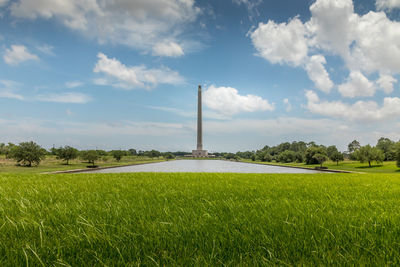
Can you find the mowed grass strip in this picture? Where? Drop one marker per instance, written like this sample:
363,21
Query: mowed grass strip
199,219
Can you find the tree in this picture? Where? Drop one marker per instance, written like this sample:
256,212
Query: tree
330,150
169,156
311,151
90,156
398,154
2,148
320,158
287,156
337,156
118,154
27,153
369,154
353,146
388,147
67,153
132,152
152,154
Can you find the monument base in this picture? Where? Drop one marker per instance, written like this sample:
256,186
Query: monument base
200,153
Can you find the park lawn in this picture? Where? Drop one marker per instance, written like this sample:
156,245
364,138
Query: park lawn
158,219
353,166
51,164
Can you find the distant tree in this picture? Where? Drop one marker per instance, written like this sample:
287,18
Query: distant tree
330,150
2,148
53,151
27,153
369,154
229,156
132,152
311,152
169,156
101,152
8,148
398,154
299,157
153,154
253,157
353,146
90,156
388,147
266,157
336,157
67,153
287,156
320,158
118,154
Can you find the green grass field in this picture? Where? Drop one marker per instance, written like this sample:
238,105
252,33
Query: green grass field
199,219
352,166
51,164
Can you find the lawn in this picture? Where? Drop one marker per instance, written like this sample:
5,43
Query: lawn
51,164
353,166
199,219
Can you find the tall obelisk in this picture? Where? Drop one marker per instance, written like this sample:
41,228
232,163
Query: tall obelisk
199,152
199,121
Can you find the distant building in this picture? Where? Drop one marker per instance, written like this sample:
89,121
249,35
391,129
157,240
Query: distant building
199,152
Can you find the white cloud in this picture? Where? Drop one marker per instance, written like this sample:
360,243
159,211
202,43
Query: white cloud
331,25
74,98
227,100
281,43
18,54
361,111
318,74
140,24
122,76
168,49
386,82
8,90
287,104
46,49
3,2
387,4
73,84
335,29
357,85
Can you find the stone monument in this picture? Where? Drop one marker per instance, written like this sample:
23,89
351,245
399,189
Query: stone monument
199,152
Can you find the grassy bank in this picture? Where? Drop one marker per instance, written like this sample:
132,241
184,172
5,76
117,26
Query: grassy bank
354,166
51,164
199,219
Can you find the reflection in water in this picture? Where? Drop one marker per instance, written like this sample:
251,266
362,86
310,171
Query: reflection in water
205,166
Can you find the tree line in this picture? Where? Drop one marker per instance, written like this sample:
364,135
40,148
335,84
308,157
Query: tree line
30,153
312,153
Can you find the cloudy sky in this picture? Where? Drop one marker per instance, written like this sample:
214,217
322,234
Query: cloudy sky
124,73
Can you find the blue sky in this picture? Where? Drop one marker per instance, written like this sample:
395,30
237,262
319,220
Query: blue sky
124,74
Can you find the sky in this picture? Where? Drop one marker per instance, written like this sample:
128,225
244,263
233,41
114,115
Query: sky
123,74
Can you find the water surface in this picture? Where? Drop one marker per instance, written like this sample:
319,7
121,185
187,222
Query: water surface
205,166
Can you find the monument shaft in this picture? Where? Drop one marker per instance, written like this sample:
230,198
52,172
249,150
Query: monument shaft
199,121
199,152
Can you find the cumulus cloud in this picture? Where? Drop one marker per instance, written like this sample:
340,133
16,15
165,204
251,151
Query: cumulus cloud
386,82
387,4
140,24
335,29
70,97
18,54
357,85
122,76
227,100
361,111
318,74
281,43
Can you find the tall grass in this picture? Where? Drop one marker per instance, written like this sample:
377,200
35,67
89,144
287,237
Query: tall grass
199,219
